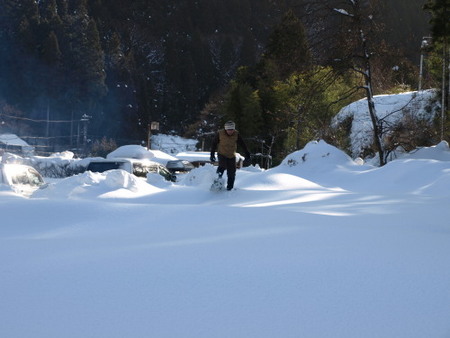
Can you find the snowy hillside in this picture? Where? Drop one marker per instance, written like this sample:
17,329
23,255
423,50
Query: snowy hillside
390,109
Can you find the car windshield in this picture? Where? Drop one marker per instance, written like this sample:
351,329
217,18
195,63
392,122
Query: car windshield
141,170
100,167
20,178
35,178
21,175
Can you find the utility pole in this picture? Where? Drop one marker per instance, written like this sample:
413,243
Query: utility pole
71,129
85,120
426,40
47,129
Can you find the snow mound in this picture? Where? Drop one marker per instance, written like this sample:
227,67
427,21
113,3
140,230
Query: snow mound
278,181
440,186
202,176
327,166
317,156
158,180
110,184
402,176
439,152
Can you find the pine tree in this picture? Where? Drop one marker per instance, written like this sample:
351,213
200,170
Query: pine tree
49,12
62,6
287,46
440,18
94,61
243,106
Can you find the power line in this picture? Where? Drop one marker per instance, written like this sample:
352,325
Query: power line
33,120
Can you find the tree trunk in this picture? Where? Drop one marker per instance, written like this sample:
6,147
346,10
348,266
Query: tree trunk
377,130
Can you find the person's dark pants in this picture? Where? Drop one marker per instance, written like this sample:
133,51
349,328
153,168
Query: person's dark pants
228,164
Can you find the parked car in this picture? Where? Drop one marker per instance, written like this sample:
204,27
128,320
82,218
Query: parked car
179,166
139,168
21,178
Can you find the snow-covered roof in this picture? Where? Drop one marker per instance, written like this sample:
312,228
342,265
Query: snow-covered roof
131,151
12,139
162,157
140,152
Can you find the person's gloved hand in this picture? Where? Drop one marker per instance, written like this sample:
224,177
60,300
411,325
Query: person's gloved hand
212,158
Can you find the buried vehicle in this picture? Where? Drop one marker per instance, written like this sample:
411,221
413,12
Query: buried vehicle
179,166
139,168
21,178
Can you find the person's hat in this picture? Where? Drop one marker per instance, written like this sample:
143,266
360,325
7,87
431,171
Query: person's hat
230,125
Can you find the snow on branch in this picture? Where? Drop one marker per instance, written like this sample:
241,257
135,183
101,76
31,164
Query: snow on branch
343,12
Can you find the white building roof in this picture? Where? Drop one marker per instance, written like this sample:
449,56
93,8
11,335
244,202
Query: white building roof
13,140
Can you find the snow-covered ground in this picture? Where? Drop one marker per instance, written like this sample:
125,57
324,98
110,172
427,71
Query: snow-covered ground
320,246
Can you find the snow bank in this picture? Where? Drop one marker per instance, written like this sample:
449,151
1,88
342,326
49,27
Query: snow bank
201,177
89,185
316,156
316,166
440,152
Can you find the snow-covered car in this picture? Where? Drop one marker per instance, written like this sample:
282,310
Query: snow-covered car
179,166
136,167
21,178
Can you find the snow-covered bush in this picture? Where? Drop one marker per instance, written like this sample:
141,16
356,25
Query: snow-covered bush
58,165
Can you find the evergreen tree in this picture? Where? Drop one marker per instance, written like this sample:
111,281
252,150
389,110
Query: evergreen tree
242,105
440,18
62,6
49,12
287,46
158,60
94,62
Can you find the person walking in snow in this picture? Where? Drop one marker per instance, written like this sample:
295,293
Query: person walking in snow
225,142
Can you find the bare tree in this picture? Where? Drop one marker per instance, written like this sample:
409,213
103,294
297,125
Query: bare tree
348,42
360,24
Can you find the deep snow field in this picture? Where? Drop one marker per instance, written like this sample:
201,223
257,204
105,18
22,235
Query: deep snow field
320,246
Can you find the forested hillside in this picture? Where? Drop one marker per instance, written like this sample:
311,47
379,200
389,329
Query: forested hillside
114,66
